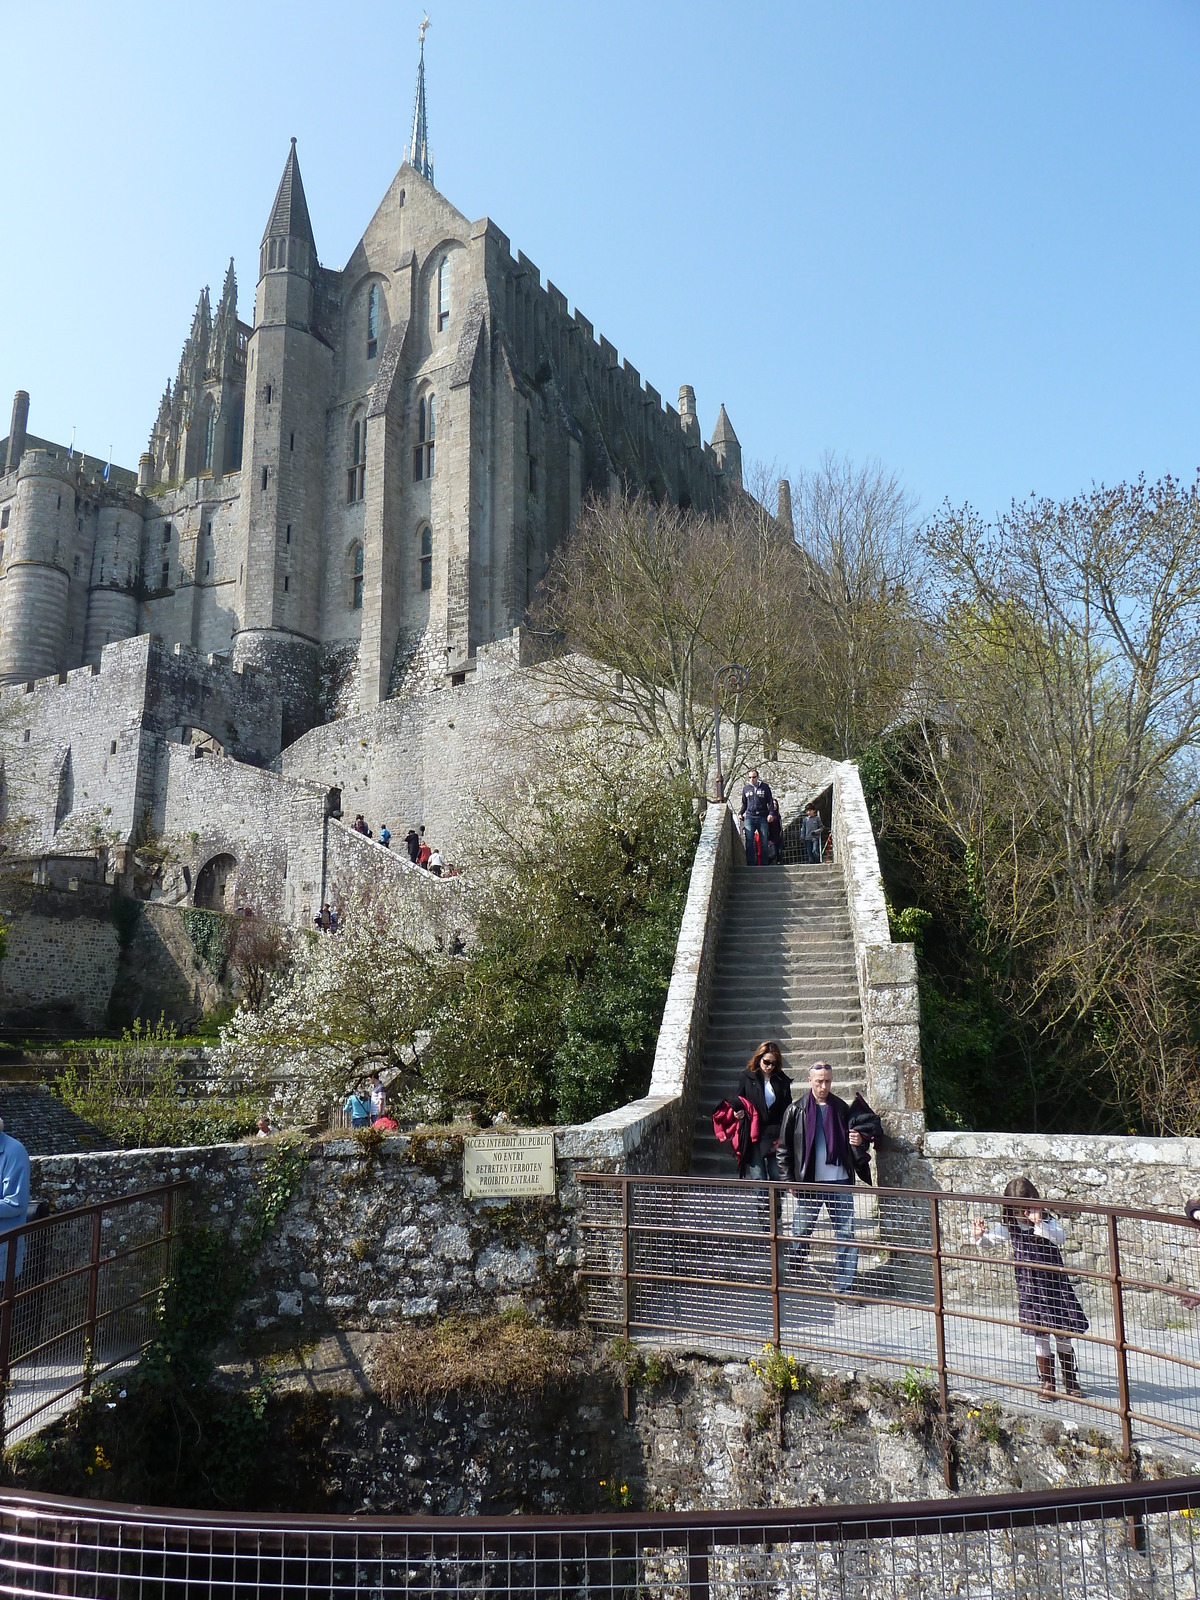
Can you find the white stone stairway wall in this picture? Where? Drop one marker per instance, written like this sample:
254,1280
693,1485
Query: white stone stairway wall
785,970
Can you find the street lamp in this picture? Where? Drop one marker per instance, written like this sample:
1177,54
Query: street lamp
740,679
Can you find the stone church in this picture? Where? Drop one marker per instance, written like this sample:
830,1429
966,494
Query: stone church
360,489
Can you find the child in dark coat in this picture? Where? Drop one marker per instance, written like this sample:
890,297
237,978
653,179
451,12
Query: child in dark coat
1046,1302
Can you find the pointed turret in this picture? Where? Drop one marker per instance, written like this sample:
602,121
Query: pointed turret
726,447
419,154
289,215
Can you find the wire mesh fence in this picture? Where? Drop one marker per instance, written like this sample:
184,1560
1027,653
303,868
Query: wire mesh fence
1072,1544
1096,1309
78,1298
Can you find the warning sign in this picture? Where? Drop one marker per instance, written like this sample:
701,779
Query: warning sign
508,1164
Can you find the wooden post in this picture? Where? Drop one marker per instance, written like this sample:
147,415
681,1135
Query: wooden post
1118,1304
939,1324
93,1306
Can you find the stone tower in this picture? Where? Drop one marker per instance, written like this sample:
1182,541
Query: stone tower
276,594
727,449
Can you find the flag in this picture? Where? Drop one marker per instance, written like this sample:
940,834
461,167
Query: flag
108,464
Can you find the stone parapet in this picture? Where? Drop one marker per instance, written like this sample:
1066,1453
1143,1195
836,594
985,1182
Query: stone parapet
887,972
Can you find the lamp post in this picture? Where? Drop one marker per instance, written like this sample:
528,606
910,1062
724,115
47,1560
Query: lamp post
740,679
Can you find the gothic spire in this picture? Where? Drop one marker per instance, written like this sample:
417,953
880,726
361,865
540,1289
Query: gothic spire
419,155
289,214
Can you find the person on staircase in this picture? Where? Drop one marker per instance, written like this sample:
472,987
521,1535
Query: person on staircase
774,833
811,830
1046,1302
818,1145
765,1086
756,802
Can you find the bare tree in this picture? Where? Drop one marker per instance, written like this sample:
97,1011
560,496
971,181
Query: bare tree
1058,744
857,527
257,949
652,600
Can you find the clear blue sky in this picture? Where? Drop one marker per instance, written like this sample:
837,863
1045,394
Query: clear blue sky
964,238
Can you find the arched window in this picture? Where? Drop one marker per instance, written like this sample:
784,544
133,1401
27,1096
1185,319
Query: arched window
356,578
426,430
443,293
210,435
356,470
427,557
372,321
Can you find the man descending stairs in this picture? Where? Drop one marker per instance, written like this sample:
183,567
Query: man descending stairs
785,970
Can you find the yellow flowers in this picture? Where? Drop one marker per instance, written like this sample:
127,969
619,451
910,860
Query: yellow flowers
776,1370
100,1462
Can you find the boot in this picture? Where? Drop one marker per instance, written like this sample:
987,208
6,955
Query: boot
1045,1366
1070,1373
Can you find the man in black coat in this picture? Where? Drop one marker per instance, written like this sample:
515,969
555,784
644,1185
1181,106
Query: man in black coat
818,1145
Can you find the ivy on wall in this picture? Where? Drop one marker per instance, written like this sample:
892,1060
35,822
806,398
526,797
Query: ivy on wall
209,933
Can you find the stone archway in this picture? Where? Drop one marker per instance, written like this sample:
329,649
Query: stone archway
216,884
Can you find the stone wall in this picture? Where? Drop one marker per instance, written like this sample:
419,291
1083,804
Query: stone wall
887,972
1102,1169
274,828
705,1435
62,960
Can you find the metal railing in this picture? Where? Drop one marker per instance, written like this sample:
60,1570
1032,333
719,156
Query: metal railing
892,1279
1116,1541
79,1294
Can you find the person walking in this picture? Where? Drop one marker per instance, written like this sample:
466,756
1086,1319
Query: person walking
385,836
818,1145
412,843
756,800
14,1195
377,1097
767,1089
811,830
774,832
1046,1301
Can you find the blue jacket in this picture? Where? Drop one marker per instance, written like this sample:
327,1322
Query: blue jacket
14,1195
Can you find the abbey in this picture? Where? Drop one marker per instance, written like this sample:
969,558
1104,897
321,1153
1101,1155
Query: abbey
360,489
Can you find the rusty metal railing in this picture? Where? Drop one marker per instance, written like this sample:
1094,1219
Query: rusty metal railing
78,1295
1056,1545
889,1280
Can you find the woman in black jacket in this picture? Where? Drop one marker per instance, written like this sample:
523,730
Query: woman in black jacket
766,1086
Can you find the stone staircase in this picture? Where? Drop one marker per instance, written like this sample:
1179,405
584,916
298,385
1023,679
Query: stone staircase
785,970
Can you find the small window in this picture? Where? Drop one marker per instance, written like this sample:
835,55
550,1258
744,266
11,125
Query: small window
167,534
26,735
443,294
241,572
207,568
356,473
287,582
166,575
4,517
264,478
427,558
112,749
76,560
356,573
287,538
268,394
291,441
426,429
372,321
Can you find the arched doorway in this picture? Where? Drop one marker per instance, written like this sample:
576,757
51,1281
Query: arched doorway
216,884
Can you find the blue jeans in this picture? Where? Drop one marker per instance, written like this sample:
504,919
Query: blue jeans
764,1164
838,1200
756,825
